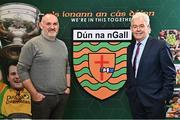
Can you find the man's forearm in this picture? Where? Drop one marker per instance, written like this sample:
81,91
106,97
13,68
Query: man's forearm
68,78
30,87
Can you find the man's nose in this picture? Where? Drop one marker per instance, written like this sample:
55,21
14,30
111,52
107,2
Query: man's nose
52,26
138,28
17,76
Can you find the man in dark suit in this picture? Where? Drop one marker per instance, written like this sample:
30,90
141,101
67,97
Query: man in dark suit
150,70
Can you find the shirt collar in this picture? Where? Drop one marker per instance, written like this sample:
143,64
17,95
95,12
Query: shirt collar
143,42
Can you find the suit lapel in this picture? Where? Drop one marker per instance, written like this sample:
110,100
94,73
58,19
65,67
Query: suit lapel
130,54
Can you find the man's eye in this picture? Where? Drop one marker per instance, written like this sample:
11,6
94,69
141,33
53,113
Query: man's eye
141,25
134,26
48,24
55,24
13,73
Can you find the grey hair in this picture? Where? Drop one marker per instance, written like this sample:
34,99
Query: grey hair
143,16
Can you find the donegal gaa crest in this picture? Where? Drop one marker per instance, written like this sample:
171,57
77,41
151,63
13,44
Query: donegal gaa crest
100,60
100,67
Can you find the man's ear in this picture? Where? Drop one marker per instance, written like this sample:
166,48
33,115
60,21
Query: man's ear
40,25
149,29
130,28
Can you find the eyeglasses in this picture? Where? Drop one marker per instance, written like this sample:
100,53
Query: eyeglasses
138,26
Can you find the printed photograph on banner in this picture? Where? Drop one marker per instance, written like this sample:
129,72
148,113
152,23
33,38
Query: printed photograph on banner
177,73
172,36
18,24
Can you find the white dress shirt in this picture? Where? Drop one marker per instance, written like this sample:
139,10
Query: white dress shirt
143,43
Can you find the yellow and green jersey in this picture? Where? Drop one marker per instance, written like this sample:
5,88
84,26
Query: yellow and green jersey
14,101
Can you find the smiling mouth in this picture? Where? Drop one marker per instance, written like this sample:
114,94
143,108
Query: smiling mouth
17,81
138,33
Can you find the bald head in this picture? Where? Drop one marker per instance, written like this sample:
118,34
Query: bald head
50,26
48,16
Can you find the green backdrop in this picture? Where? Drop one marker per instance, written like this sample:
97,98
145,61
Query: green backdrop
81,104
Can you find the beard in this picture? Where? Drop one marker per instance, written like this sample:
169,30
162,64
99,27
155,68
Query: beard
50,33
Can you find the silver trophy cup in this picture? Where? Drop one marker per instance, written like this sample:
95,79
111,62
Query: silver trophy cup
18,23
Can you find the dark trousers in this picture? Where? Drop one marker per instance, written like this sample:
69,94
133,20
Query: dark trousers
51,107
156,111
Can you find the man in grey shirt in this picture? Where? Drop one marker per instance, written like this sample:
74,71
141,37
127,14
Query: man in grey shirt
44,69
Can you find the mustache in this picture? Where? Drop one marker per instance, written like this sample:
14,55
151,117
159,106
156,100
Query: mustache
52,30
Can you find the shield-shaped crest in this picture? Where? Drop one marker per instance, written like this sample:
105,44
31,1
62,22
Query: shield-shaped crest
101,65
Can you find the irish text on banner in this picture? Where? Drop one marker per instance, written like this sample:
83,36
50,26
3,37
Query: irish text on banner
114,34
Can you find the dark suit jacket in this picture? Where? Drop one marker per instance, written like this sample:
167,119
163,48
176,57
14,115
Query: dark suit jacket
156,73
